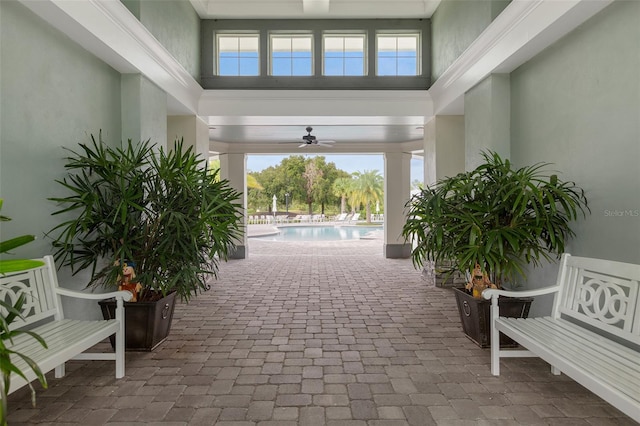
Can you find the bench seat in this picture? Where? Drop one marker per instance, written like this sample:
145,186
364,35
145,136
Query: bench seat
66,338
592,334
597,363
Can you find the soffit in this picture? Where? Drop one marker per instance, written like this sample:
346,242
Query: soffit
314,9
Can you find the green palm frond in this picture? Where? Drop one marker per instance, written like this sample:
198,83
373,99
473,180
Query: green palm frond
496,215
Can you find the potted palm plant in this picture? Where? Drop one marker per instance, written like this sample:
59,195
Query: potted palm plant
152,221
489,224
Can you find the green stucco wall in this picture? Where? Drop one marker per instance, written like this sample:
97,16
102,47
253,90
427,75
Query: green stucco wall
577,105
54,94
455,25
176,25
487,119
144,110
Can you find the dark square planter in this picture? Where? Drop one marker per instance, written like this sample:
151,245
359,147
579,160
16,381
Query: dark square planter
146,324
475,315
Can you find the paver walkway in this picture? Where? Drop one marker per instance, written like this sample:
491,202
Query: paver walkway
316,334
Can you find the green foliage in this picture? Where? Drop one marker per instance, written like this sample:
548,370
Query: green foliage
417,184
9,314
15,265
288,178
7,367
342,188
253,183
312,175
367,188
496,216
163,210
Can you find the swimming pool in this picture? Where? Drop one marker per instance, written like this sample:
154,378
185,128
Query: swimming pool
322,233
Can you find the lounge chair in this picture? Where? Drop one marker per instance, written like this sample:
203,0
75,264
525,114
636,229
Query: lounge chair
340,218
355,217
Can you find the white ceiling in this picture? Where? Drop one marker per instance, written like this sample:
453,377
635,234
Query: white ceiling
314,9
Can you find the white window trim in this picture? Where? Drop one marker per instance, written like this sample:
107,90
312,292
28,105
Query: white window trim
233,34
365,51
418,35
291,35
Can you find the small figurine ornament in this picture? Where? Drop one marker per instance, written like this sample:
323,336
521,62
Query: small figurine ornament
479,281
126,280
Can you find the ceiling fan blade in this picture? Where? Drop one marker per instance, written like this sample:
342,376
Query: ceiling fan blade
327,141
303,145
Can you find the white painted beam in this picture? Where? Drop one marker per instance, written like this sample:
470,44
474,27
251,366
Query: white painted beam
338,148
316,103
315,7
300,9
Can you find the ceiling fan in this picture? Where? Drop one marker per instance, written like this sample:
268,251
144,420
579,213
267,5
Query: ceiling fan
309,139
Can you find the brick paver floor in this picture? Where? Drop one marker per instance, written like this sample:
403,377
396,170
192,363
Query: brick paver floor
315,334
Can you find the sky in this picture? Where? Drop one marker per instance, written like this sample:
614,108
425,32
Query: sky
348,162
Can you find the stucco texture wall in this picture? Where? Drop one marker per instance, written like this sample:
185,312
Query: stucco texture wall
455,25
176,25
54,94
577,105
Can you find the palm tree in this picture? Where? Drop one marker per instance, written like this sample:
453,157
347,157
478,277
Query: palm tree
342,188
367,189
253,183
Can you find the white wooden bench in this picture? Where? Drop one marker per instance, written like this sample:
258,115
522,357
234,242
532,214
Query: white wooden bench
65,338
592,334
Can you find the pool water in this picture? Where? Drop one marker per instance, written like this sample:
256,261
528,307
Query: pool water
322,233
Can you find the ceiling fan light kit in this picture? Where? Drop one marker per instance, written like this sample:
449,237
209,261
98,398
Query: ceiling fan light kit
310,139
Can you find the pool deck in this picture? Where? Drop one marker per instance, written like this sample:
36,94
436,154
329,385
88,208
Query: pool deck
311,334
261,230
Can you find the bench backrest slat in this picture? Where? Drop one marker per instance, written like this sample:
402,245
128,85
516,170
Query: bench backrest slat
603,294
40,302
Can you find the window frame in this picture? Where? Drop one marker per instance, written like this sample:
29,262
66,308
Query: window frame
417,34
292,35
317,27
218,35
346,34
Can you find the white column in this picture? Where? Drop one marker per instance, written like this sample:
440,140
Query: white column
397,191
444,147
234,168
190,128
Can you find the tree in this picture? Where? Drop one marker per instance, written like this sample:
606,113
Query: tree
291,170
342,188
368,188
323,192
312,175
253,183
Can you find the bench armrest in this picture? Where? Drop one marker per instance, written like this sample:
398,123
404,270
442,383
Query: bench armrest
124,295
492,293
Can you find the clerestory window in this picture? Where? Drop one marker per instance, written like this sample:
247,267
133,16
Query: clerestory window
291,54
316,54
238,54
344,55
398,54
